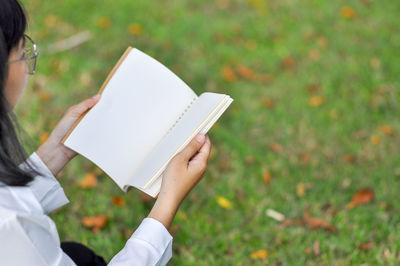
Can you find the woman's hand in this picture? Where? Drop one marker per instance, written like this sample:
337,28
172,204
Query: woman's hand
183,172
52,152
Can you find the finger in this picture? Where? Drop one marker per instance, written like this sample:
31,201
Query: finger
203,155
79,109
192,147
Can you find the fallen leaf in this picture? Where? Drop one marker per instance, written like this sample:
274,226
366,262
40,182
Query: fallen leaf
347,12
268,103
365,246
266,78
50,20
135,29
316,101
322,41
314,54
275,215
375,63
259,254
118,201
88,181
249,159
267,177
362,197
246,72
305,157
375,140
96,222
300,189
316,248
104,23
288,62
228,74
385,129
224,203
314,223
313,88
276,147
349,158
43,137
44,96
145,198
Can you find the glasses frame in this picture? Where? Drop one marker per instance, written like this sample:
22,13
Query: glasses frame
32,57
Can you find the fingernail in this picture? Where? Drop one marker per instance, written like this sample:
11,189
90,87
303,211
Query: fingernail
200,138
96,97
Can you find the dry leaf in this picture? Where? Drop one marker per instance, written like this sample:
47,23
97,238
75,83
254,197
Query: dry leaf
349,158
145,198
96,222
316,101
322,42
385,129
375,63
135,29
313,88
44,96
246,72
224,203
314,55
268,103
88,181
267,177
104,23
288,63
259,254
365,246
249,159
305,157
118,201
316,248
314,223
50,20
362,197
276,147
275,215
228,74
347,12
300,189
375,140
43,137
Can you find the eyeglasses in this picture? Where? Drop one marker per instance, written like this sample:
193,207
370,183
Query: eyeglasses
30,55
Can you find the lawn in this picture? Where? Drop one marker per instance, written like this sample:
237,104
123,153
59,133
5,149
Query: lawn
315,120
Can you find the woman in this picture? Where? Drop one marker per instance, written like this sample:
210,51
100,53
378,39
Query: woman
30,191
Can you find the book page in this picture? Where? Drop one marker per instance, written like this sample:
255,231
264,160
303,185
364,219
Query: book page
138,106
200,117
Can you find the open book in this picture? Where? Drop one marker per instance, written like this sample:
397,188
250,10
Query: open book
145,116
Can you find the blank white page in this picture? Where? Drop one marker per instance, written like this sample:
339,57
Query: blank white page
141,101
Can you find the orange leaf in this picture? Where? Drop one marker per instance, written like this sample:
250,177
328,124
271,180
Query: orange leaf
375,140
314,223
44,96
267,177
349,158
96,222
288,62
276,147
268,103
104,23
347,12
316,101
118,201
228,74
135,29
314,54
88,181
259,254
365,246
246,72
362,197
43,137
305,157
385,129
300,189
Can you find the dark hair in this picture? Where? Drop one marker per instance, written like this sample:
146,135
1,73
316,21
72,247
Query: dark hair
12,28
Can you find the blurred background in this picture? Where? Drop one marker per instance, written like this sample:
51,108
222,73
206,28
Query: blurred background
305,167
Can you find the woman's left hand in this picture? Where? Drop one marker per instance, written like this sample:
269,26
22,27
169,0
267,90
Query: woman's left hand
52,152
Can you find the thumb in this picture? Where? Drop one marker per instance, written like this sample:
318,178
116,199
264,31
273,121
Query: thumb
193,147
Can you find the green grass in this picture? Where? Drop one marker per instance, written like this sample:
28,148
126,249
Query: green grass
197,39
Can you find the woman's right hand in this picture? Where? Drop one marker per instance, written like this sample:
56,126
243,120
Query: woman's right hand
183,172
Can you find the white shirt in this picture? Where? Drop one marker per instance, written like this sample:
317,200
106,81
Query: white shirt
29,237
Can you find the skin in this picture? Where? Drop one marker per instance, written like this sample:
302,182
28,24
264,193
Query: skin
184,171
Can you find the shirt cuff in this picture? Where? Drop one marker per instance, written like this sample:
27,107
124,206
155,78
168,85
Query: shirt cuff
45,186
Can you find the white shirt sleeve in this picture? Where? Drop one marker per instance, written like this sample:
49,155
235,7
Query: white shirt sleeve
29,237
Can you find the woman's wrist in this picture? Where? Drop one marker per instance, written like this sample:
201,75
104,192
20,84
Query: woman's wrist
164,211
52,157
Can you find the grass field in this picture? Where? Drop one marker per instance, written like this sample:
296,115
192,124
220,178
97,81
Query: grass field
315,120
